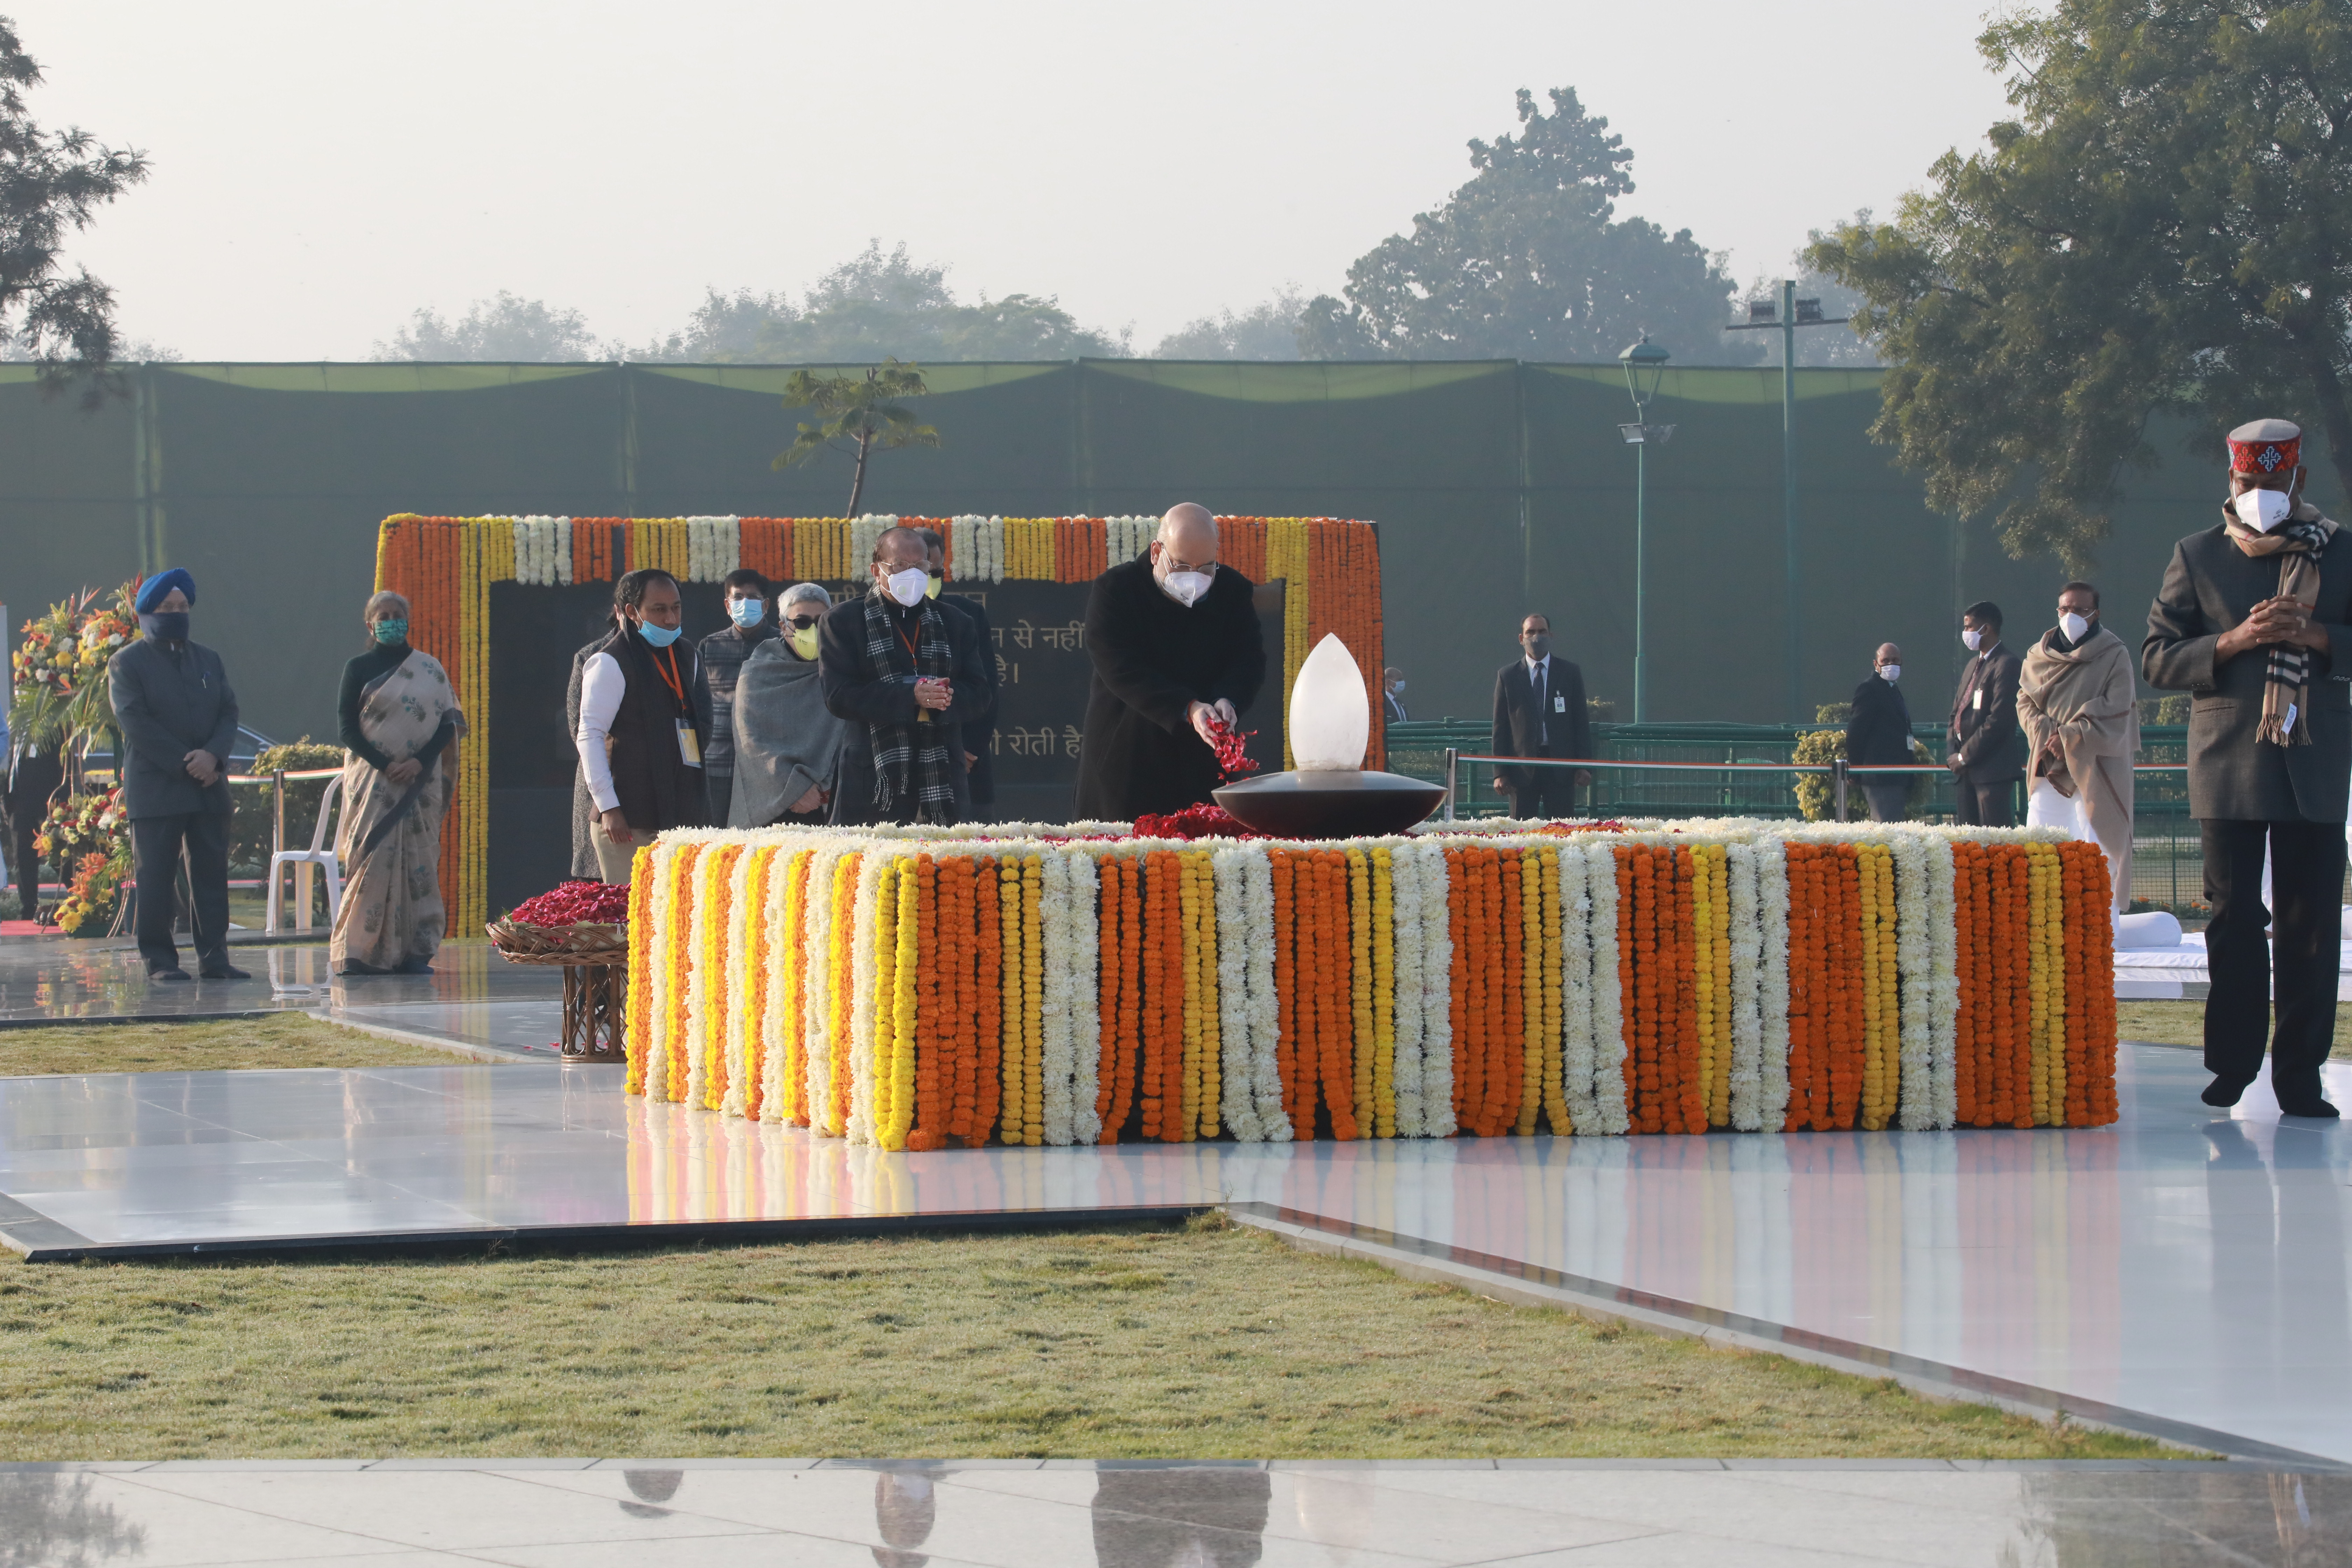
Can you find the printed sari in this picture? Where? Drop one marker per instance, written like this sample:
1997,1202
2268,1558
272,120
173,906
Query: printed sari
389,841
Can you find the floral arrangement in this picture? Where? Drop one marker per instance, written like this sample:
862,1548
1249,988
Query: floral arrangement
1204,821
91,833
913,989
446,566
88,907
574,903
59,667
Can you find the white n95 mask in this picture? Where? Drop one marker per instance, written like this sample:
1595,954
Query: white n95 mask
2073,625
907,586
2262,510
1890,672
1185,587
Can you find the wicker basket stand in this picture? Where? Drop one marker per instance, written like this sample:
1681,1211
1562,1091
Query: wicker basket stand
596,963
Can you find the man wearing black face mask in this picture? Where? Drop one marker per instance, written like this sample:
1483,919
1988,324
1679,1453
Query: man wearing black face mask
1986,748
178,720
1539,712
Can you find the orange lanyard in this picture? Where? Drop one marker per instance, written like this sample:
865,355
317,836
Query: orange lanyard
669,677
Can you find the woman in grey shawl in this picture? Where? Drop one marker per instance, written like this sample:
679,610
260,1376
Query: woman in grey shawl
2076,700
787,745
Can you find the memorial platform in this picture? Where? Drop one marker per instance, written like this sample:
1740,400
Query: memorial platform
2178,1273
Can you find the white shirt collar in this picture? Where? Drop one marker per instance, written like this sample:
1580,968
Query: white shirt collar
1535,664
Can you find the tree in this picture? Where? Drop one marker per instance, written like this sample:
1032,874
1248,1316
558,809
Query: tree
1263,332
505,328
2166,226
875,305
1527,261
723,327
51,185
863,412
1819,346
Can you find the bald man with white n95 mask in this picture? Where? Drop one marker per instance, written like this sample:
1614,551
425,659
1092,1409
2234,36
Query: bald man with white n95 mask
1177,651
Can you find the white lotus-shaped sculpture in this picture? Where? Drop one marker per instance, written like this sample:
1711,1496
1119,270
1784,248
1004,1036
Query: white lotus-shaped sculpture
1331,713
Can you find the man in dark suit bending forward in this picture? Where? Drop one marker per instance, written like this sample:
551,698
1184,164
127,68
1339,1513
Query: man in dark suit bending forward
1539,712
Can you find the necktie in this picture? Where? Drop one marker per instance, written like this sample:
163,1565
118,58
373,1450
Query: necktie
1543,722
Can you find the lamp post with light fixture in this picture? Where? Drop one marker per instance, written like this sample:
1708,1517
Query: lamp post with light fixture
1645,367
1785,316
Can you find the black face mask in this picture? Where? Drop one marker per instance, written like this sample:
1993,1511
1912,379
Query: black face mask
165,625
1536,647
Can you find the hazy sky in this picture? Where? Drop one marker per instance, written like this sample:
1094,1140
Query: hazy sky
322,168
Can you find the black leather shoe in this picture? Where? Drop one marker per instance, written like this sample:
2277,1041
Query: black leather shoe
415,966
356,967
2222,1093
167,976
226,972
2314,1107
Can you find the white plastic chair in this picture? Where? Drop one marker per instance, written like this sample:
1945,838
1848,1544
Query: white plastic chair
322,854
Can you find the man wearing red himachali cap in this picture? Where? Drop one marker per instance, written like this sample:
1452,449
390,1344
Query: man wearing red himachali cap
2255,620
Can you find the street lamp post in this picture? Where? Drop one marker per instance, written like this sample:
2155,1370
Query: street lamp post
1785,316
1645,366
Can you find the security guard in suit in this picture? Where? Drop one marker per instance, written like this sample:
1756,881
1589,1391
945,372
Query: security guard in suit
1986,748
1539,712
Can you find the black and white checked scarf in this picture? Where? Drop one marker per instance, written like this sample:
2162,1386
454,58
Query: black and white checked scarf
911,764
2297,543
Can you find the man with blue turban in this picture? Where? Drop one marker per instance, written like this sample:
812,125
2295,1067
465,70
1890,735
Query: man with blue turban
178,720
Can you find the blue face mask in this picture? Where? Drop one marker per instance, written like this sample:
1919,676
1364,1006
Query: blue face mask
391,632
747,613
660,637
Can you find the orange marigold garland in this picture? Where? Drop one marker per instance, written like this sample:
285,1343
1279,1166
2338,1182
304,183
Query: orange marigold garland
934,1036
988,988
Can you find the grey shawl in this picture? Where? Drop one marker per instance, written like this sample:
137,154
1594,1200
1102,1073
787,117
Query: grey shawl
786,742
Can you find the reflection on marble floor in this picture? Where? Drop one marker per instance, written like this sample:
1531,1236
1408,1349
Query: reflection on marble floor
2181,1264
1532,1515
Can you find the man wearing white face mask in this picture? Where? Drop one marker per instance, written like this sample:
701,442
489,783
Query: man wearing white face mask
2076,700
723,652
2255,620
906,672
1176,647
1986,750
1878,733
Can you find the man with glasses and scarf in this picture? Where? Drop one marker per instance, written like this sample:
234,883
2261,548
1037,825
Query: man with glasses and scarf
905,671
2255,620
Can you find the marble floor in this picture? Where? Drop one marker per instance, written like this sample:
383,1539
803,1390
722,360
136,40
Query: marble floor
1527,1514
2180,1273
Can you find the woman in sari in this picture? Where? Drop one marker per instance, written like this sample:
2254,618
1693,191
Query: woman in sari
397,716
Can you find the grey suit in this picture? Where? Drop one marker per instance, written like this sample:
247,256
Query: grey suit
2252,797
169,702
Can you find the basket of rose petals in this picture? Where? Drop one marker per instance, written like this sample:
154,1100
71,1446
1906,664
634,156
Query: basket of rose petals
576,922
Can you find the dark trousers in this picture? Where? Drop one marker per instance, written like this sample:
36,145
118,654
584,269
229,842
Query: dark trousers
1547,793
721,790
1984,803
37,779
2297,966
1888,802
156,843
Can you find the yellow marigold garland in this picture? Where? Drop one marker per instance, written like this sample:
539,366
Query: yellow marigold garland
886,992
1188,916
890,1129
1362,1036
1032,1002
1013,1054
638,1038
1712,1040
2054,935
1533,983
1554,1093
679,960
838,992
793,960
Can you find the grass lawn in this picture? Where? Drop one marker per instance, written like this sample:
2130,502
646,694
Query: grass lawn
2183,1024
285,1041
1207,1341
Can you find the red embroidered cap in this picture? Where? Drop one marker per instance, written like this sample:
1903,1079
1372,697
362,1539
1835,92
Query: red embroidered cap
2265,447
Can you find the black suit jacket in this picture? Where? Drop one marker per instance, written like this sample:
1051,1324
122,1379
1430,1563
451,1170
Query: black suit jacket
979,731
855,691
1518,731
1153,658
167,705
1880,731
2208,587
1986,745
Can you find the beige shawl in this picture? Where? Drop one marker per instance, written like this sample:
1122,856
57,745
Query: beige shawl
2083,699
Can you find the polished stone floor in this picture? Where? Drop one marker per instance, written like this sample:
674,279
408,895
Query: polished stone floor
2183,1273
1530,1514
473,997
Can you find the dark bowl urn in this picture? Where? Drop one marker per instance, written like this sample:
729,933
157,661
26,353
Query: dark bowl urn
1331,805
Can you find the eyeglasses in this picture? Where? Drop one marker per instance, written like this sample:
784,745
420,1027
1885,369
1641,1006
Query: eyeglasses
803,623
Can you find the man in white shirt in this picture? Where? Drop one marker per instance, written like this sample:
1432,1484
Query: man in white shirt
643,723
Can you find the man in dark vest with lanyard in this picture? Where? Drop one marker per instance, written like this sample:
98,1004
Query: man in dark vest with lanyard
905,671
642,731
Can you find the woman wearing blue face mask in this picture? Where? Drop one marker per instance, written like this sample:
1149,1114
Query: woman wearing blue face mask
645,721
724,651
396,717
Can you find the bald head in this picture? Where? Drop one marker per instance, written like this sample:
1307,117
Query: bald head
1888,657
1187,540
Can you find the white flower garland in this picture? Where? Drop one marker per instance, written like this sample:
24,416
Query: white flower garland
859,1046
1236,1072
1264,1020
1915,974
1085,1016
1944,986
738,968
1058,944
1405,876
778,1030
1577,956
1608,996
1436,996
1747,986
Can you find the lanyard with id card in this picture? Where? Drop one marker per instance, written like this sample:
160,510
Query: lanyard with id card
689,744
